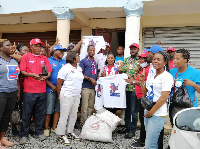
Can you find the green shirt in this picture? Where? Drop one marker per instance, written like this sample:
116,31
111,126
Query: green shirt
131,66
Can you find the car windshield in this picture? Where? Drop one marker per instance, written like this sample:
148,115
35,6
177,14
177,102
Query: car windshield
189,120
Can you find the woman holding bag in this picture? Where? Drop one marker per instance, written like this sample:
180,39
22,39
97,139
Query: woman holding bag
157,89
183,73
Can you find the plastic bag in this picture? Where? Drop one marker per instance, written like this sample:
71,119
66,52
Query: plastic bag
181,98
96,129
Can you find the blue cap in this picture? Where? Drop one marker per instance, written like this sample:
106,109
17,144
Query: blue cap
59,47
155,49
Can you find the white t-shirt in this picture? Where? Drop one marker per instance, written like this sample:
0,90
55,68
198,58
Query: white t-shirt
73,79
162,82
98,41
152,72
100,60
113,93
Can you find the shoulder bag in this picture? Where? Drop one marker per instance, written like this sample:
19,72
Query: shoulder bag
181,98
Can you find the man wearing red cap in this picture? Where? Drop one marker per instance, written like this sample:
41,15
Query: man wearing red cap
31,67
131,67
171,52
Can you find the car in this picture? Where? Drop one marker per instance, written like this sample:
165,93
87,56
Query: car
186,130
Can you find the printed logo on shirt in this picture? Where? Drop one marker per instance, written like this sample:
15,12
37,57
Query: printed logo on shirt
114,90
31,61
42,62
150,94
72,71
63,65
13,72
54,64
99,91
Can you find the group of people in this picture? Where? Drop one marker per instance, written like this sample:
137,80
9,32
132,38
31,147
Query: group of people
69,82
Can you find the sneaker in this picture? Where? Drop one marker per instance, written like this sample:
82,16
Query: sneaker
137,145
23,140
73,136
46,133
41,137
129,135
53,130
64,140
123,130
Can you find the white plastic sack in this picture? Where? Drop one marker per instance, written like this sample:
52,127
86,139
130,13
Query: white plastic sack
97,130
111,119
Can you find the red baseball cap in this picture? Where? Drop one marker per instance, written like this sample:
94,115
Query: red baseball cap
144,53
134,45
36,41
171,49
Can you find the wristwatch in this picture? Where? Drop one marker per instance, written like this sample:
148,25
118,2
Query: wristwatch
88,78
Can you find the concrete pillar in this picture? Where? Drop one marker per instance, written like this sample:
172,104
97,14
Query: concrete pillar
86,31
64,15
133,10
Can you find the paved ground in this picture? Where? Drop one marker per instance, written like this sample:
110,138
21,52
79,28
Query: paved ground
51,142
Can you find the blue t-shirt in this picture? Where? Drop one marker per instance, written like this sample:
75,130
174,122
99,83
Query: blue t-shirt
86,66
56,66
119,58
9,72
191,74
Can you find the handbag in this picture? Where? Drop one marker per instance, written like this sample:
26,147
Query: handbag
15,116
147,103
181,97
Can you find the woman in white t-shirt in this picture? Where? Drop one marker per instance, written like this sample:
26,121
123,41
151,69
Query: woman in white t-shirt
110,67
157,89
69,84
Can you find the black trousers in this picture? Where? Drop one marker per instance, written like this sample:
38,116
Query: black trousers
33,103
141,117
7,105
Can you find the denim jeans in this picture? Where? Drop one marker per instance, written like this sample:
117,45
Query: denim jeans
153,126
52,104
131,111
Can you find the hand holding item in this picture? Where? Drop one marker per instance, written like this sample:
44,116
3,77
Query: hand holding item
188,82
148,114
119,69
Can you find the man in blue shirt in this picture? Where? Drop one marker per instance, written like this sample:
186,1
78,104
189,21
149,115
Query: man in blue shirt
53,105
120,56
89,67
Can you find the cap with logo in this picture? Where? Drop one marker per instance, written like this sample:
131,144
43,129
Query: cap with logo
134,45
59,47
36,41
144,53
171,49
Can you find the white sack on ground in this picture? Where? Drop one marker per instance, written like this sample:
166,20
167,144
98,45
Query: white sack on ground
97,130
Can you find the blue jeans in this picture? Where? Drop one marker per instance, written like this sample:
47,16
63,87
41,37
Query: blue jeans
153,126
131,111
52,103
